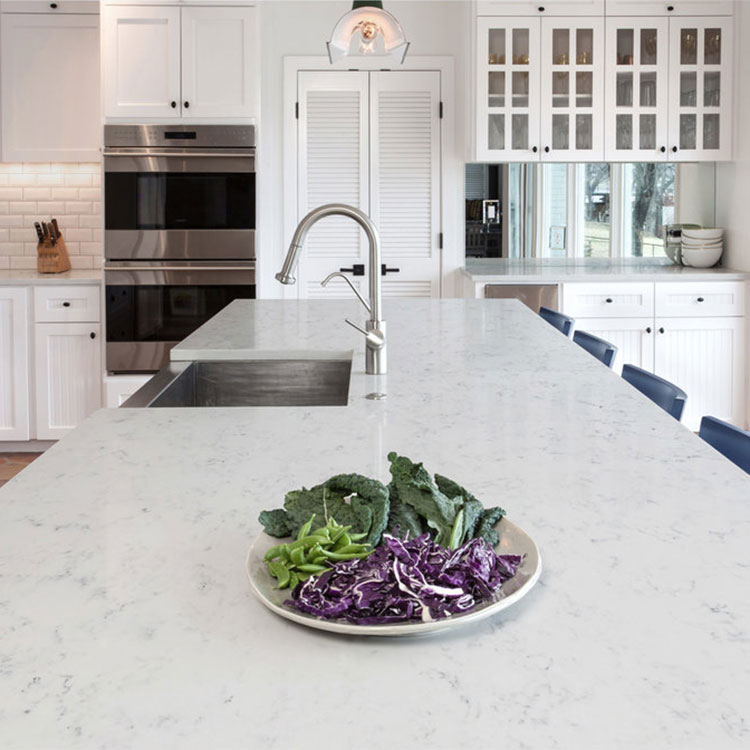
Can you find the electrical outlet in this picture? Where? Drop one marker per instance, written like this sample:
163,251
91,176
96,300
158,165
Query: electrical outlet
557,238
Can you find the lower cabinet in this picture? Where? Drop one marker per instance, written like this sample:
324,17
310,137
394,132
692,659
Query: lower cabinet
50,359
15,417
119,388
68,376
633,337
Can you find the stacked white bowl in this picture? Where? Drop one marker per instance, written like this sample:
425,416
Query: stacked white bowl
702,248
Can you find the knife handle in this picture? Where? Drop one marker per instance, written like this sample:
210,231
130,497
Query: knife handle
56,228
39,234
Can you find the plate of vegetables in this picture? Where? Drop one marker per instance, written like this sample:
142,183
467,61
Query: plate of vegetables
419,555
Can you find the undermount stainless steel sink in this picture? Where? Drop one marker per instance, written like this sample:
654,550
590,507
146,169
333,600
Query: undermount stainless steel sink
257,382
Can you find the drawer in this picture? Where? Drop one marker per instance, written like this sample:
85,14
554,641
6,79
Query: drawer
691,299
608,300
66,304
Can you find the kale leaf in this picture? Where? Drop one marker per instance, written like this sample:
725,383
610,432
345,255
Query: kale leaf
416,488
472,507
403,521
486,529
276,522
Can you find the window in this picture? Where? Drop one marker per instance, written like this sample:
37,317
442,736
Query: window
648,194
596,206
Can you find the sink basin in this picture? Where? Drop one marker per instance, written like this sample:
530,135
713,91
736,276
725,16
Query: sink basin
257,382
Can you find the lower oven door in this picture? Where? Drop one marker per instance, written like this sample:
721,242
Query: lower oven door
152,307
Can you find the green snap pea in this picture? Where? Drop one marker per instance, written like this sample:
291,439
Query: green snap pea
280,572
310,568
305,528
293,580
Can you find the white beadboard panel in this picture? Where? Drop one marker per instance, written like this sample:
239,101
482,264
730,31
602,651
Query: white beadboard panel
704,357
604,300
333,148
67,304
68,376
633,337
405,174
700,299
14,365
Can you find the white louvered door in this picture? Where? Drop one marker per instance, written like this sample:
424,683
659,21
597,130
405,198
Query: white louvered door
405,179
371,140
332,167
14,364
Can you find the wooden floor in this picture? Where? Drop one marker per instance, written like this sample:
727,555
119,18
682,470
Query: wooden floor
12,463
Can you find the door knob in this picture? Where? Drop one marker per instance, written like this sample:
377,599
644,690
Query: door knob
674,149
93,335
648,330
663,149
358,269
384,270
661,330
546,149
173,105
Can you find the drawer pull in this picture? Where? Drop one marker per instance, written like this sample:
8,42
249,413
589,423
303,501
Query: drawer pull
700,299
648,330
608,300
93,335
661,330
66,304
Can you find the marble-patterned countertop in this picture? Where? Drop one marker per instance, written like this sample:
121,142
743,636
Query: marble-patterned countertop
127,621
557,270
33,278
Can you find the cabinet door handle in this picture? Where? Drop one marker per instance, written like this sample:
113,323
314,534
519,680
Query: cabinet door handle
53,6
93,335
384,270
608,300
674,149
358,269
700,299
546,149
670,8
661,330
648,330
66,304
535,149
173,104
663,149
541,9
186,105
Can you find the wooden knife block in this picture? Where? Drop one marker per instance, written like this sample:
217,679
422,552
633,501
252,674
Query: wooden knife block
52,259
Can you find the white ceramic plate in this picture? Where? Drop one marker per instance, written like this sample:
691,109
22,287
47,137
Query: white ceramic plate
513,541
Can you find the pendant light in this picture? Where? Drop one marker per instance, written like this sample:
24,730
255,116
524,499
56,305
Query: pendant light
367,29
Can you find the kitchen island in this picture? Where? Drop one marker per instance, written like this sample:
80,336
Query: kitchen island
127,621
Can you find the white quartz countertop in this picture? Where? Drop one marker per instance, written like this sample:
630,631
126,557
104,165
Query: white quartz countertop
554,270
127,621
32,278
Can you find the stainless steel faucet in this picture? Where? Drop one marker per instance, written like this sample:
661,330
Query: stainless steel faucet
374,330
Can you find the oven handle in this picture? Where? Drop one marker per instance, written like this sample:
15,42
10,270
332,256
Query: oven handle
181,154
246,267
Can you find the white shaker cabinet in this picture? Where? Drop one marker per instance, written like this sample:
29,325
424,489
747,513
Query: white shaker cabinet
49,56
14,364
666,8
180,62
548,8
218,73
633,337
68,376
141,66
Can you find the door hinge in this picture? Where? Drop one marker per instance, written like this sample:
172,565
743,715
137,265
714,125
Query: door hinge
296,110
441,110
440,240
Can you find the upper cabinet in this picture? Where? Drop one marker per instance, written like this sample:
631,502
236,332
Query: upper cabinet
654,87
676,8
548,8
173,62
49,56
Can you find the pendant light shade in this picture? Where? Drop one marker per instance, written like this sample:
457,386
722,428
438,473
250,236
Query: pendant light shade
367,29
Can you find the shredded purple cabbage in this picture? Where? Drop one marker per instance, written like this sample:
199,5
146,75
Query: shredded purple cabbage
406,580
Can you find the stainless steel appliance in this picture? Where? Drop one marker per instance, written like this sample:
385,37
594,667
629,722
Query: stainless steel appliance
179,239
532,295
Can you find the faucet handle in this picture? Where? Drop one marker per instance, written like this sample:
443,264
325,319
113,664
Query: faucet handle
352,287
375,338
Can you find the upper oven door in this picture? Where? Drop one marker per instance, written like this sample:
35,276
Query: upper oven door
179,206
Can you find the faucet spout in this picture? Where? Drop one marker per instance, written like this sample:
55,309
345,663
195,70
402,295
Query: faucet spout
375,338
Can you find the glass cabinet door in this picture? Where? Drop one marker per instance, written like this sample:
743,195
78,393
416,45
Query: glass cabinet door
508,67
637,78
700,106
572,89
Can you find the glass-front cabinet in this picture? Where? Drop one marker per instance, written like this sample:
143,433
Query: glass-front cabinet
700,101
508,67
572,94
637,92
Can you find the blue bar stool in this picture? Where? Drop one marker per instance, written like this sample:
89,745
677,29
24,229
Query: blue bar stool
730,441
663,393
563,323
599,348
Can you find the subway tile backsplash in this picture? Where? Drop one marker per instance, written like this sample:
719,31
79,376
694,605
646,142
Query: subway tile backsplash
72,193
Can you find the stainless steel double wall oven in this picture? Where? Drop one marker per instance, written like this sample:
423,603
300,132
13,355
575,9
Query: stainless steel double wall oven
179,239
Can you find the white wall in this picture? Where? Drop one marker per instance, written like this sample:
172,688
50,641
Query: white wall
302,27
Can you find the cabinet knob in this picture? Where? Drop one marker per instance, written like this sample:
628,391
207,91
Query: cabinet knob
534,149
66,304
661,330
663,149
186,105
53,6
541,9
648,330
173,105
93,335
670,8
546,149
608,300
700,299
674,149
